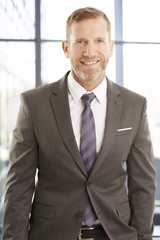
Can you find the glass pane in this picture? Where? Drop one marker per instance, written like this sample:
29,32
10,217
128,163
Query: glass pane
17,19
17,74
142,74
54,15
55,64
141,20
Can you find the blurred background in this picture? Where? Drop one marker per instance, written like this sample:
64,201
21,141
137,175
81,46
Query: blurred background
31,32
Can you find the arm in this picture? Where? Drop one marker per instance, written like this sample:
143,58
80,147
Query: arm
21,177
141,180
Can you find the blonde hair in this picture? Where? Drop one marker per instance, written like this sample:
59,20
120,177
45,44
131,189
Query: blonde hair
85,13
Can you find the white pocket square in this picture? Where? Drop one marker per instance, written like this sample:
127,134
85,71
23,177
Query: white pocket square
124,129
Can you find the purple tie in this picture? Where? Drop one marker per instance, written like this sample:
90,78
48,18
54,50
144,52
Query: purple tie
88,148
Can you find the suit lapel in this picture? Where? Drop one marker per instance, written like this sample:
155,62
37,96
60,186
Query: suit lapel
114,106
61,111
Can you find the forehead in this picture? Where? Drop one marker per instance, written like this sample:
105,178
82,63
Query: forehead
89,27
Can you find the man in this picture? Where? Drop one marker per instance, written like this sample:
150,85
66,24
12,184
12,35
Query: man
79,132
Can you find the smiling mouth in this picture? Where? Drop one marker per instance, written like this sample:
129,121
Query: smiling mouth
90,63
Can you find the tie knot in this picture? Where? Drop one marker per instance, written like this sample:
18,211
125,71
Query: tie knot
88,98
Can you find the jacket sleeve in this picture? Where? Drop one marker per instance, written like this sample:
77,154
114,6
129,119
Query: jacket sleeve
21,177
141,180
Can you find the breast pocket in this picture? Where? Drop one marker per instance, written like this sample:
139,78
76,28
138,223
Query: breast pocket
125,131
122,144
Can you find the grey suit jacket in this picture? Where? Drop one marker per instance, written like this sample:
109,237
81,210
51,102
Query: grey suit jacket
43,139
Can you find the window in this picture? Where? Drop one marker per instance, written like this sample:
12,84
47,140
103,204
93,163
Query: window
141,20
141,57
141,72
17,71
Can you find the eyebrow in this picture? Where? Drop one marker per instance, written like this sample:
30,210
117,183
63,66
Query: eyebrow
79,39
85,39
101,38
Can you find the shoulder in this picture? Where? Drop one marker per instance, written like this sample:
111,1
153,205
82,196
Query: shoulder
124,93
47,90
132,102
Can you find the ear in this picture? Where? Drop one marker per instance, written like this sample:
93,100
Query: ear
65,48
111,48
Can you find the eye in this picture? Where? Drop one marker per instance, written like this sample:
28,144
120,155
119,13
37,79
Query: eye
100,40
80,41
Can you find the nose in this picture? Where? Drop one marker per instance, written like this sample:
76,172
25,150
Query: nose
89,50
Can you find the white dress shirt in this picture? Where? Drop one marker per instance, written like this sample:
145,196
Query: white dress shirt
98,106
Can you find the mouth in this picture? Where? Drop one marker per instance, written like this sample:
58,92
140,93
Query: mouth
89,63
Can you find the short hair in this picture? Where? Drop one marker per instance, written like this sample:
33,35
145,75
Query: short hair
86,13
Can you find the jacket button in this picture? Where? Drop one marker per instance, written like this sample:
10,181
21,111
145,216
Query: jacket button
78,215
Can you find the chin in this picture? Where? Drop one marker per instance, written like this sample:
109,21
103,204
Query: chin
93,76
89,76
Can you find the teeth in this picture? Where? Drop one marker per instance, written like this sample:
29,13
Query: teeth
89,63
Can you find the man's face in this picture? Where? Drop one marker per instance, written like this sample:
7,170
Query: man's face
89,49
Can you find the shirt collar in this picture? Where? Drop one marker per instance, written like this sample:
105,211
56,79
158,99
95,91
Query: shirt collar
76,90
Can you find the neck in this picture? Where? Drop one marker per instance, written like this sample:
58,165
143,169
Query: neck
90,86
